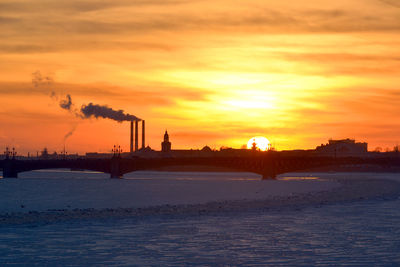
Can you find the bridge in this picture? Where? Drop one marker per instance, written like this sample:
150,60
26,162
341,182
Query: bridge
267,165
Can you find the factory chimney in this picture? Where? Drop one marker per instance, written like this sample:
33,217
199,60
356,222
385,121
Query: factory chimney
136,136
131,137
143,135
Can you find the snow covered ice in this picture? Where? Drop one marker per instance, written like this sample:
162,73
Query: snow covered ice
156,218
142,189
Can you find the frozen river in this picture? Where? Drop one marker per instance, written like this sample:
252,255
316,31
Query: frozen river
356,232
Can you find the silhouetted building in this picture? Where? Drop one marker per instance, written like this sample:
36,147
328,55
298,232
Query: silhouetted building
44,153
166,144
206,149
343,148
254,145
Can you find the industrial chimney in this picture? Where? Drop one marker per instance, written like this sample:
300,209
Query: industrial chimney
136,136
131,137
143,135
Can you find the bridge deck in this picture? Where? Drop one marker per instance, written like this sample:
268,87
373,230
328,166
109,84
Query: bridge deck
267,166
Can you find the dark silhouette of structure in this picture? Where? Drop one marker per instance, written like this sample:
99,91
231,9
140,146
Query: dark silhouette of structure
136,135
143,135
266,164
134,131
254,145
343,148
131,138
166,144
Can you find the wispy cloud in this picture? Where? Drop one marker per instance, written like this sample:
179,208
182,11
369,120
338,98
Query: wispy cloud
394,3
78,6
27,17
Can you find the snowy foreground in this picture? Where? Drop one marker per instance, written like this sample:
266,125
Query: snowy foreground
143,190
63,218
59,195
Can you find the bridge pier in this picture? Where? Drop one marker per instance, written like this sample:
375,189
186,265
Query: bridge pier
269,171
268,176
9,169
115,171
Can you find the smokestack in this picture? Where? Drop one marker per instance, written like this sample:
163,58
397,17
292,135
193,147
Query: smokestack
143,135
136,135
131,137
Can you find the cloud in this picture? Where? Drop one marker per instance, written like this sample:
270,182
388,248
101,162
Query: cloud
193,135
348,108
351,64
8,20
28,116
84,45
152,94
337,57
26,48
254,20
130,26
394,3
79,6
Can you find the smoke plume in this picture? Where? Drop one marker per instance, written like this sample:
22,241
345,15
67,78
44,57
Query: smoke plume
98,111
46,83
39,80
71,132
66,103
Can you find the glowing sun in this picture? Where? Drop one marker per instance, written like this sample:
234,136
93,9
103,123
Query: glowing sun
260,142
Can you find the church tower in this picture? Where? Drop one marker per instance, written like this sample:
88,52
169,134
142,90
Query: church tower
166,144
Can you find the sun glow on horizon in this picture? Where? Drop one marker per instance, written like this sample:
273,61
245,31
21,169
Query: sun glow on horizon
261,143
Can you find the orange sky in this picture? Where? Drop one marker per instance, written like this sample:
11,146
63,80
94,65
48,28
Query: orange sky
211,72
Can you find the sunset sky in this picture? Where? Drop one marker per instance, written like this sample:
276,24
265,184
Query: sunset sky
213,73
